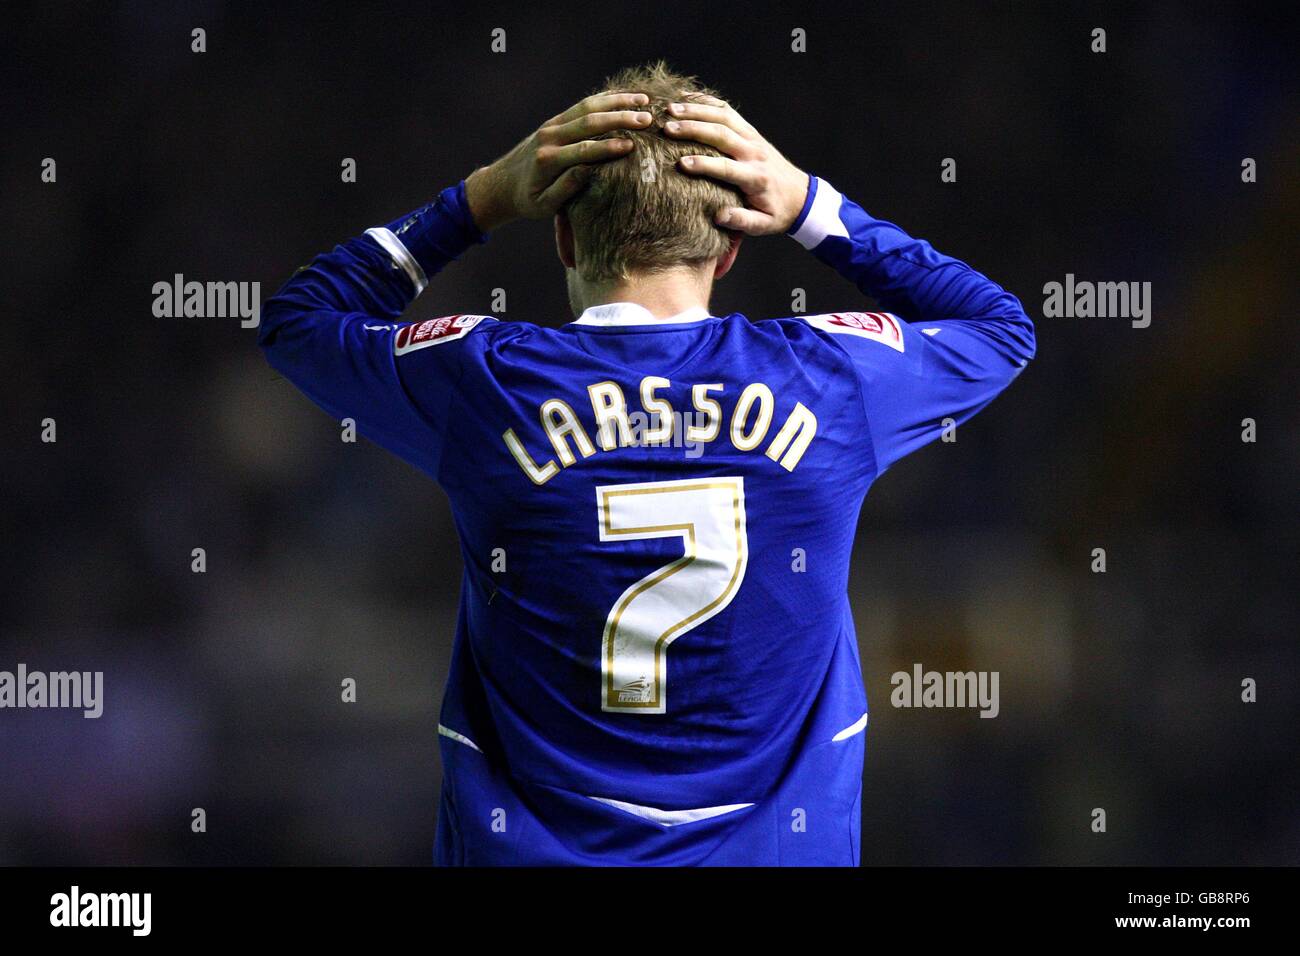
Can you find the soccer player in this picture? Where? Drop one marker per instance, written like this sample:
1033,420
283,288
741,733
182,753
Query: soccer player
664,671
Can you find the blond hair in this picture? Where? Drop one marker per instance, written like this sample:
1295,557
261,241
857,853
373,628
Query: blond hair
640,212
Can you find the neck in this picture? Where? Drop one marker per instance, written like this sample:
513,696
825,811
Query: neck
662,294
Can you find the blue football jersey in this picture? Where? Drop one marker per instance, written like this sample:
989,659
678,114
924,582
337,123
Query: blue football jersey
655,660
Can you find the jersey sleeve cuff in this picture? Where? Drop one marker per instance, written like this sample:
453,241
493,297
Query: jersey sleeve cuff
424,241
820,216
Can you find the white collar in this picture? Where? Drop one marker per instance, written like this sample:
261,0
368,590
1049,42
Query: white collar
629,313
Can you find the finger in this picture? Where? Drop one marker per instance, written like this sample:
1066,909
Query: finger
749,221
721,137
593,124
704,98
715,112
587,151
565,187
600,103
746,178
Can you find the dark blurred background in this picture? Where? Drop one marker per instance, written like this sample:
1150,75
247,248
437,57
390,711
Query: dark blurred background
328,560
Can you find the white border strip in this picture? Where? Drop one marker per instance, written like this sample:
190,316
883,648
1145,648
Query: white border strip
823,218
671,818
852,730
402,256
459,738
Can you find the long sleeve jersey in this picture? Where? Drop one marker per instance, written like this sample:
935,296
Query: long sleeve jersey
655,660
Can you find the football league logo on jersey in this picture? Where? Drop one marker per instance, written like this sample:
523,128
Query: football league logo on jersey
881,326
433,331
635,692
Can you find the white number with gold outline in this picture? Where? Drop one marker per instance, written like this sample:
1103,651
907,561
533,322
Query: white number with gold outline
708,514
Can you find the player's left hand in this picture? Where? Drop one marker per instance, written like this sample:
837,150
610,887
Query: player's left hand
548,168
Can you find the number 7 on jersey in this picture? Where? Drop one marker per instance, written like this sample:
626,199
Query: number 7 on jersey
708,514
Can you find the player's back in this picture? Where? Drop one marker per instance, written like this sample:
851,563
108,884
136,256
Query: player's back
656,519
654,659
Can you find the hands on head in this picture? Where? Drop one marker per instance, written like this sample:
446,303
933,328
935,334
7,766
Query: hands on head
549,167
774,188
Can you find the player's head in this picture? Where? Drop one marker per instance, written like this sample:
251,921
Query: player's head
639,215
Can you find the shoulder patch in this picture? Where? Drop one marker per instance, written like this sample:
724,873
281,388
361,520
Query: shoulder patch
881,326
448,328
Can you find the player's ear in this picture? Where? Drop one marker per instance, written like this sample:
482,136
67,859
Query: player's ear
728,258
564,240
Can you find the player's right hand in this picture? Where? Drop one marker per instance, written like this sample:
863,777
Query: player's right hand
548,168
775,188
